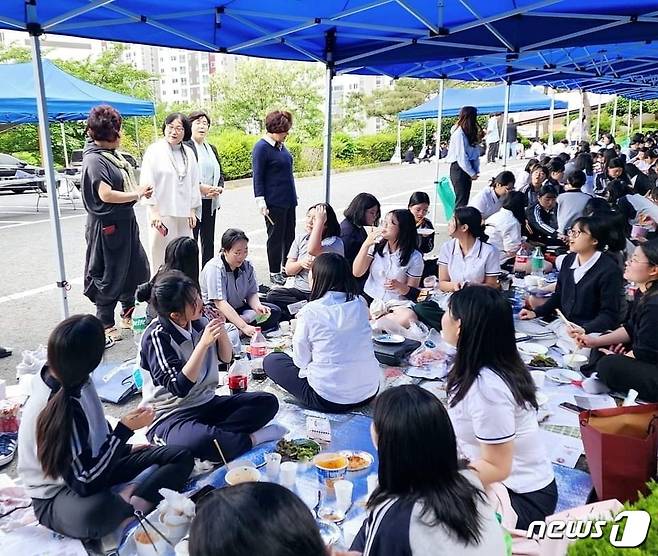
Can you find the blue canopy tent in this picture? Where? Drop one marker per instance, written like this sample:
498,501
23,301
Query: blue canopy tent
363,36
487,100
68,98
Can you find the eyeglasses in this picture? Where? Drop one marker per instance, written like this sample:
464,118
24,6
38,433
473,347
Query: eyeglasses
636,261
576,233
175,129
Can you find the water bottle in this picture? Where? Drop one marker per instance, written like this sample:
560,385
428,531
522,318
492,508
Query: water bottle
257,350
237,376
537,262
139,323
521,261
518,301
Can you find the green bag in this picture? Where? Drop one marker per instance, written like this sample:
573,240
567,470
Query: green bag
446,194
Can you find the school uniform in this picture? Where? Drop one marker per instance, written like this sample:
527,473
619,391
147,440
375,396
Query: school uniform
487,202
81,503
464,160
397,527
190,414
570,206
301,290
387,266
504,232
530,193
542,225
587,294
353,237
489,414
635,205
425,244
220,283
333,367
621,373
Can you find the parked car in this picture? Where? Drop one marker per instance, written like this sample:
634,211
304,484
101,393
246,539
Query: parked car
76,164
12,169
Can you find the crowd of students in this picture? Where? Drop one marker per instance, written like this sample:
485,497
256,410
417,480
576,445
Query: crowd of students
86,481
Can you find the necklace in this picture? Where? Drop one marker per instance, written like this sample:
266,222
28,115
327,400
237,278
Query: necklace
180,173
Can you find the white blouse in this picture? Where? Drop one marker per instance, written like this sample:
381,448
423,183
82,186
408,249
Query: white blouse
388,266
174,175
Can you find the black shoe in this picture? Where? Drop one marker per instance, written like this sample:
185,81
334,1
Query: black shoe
4,352
277,279
262,288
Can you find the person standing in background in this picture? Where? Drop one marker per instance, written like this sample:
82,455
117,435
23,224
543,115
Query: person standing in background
211,183
510,140
274,190
464,154
492,137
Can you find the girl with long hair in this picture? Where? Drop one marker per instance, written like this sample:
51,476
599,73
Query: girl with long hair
589,284
428,501
630,357
180,354
464,154
69,459
333,366
492,403
391,258
321,235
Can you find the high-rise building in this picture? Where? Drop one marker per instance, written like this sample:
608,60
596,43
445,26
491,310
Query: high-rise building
55,46
347,84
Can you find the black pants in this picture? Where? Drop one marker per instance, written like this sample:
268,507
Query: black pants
281,369
105,311
206,229
429,313
621,373
492,151
272,321
227,419
461,183
534,506
280,236
282,297
93,517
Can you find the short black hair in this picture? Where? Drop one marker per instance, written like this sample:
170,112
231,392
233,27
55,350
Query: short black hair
418,198
556,165
170,292
577,179
231,236
187,126
547,189
356,211
198,114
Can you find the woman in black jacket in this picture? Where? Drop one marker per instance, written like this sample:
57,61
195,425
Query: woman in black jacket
630,357
589,283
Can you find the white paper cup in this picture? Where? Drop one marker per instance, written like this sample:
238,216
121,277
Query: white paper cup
343,490
575,361
272,465
372,480
293,325
539,377
288,474
284,325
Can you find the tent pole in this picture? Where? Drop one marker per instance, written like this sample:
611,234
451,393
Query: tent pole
155,128
47,158
580,116
326,167
437,148
640,116
424,133
598,121
66,152
551,119
136,120
506,122
399,143
613,127
630,118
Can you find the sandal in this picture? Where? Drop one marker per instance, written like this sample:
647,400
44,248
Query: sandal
113,333
109,342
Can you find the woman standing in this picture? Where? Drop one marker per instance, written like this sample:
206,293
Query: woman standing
464,154
115,263
492,403
211,182
171,169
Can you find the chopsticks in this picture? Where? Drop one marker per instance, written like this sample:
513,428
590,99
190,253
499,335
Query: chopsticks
143,519
564,319
221,454
269,219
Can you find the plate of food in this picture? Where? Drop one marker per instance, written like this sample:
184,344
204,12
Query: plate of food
532,348
357,460
542,362
386,338
297,449
425,231
331,514
563,376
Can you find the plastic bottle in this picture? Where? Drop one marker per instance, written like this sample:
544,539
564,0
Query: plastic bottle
257,350
238,375
521,261
139,323
537,262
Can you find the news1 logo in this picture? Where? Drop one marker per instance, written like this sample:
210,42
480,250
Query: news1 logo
635,529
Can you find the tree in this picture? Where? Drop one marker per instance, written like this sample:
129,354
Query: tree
242,99
404,94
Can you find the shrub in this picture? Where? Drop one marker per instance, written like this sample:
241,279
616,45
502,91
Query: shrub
375,148
235,151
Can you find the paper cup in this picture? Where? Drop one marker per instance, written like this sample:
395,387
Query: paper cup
539,377
288,474
242,474
272,465
344,491
575,361
638,231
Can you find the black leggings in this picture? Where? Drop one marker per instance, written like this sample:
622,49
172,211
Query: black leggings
461,183
621,373
206,228
534,506
93,517
492,151
282,297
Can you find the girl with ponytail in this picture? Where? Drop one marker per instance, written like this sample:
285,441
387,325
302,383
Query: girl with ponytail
68,456
630,353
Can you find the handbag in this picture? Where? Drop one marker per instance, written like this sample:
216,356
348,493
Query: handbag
394,355
446,194
620,446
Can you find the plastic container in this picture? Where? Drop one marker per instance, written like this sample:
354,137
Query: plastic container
139,323
238,375
258,351
537,262
521,261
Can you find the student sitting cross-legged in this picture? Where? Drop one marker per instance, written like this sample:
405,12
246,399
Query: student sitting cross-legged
333,367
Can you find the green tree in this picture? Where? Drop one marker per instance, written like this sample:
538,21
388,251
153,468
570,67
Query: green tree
404,94
242,99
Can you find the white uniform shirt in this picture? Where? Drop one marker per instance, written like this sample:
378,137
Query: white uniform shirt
175,190
387,266
488,414
481,261
487,202
504,232
579,270
332,346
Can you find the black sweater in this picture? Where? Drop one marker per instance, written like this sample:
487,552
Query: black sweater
642,327
595,302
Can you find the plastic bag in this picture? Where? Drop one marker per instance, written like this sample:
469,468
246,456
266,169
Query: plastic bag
32,362
446,194
433,359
